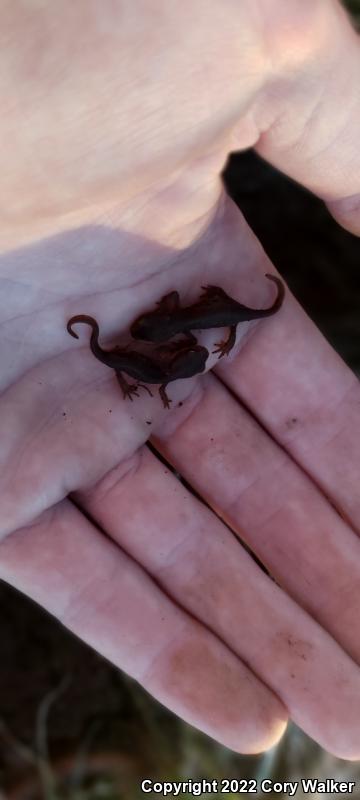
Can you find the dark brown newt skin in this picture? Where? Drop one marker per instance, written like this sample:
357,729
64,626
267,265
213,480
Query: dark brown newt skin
215,309
164,365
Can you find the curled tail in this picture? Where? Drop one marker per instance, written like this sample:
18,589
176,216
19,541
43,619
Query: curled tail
280,295
94,339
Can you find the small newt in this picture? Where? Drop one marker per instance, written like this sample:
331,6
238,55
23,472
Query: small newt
166,364
214,309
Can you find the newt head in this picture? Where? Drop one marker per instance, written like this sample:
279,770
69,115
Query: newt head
188,362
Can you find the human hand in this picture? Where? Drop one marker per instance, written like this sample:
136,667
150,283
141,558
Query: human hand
122,204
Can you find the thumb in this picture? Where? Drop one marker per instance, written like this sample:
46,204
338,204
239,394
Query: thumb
314,135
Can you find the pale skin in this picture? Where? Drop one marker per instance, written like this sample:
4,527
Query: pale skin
116,123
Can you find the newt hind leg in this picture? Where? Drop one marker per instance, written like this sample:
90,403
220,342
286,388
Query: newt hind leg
130,389
226,345
165,399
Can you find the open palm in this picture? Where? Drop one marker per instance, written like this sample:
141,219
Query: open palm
98,530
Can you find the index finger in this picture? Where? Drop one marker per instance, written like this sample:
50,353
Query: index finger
297,386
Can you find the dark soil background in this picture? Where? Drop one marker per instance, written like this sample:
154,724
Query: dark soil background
99,706
319,260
